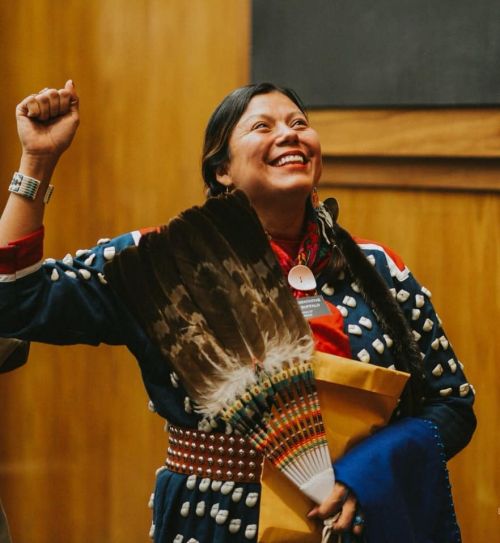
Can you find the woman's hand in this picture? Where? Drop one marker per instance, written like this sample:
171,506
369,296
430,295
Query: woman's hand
47,122
340,506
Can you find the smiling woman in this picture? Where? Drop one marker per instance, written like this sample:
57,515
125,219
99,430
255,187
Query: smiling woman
260,148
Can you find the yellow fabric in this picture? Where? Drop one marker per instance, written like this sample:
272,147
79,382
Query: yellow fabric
356,399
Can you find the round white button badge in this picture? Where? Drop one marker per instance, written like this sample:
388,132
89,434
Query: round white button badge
301,278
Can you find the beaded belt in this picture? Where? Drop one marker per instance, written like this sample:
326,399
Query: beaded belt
213,455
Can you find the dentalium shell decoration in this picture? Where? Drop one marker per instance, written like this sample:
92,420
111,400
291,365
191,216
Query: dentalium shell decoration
209,292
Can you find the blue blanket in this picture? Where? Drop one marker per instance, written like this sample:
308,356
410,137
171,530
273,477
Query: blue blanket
400,479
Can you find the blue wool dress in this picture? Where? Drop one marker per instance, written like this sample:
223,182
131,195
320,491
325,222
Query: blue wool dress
68,301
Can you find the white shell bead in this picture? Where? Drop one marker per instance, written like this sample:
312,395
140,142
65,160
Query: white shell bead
343,310
251,531
159,470
88,261
109,253
152,531
68,260
101,278
251,499
378,346
403,295
151,500
416,335
349,301
227,487
85,274
49,261
453,365
391,367
355,287
237,494
200,509
185,509
426,291
328,290
221,516
54,276
371,260
216,485
445,391
70,273
354,329
81,252
393,292
435,344
102,241
388,340
179,538
364,356
214,510
437,371
204,484
463,390
428,325
187,405
191,482
415,314
366,322
234,525
444,342
419,300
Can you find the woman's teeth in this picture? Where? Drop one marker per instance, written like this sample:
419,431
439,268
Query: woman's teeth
288,159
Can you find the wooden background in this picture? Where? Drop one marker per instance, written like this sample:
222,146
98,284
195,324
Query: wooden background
78,447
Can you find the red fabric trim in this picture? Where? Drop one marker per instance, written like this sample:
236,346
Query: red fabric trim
397,259
22,252
329,335
148,229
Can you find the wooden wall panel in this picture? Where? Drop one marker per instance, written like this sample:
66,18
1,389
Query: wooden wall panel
439,132
78,447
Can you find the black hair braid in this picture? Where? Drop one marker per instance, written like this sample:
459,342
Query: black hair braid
387,310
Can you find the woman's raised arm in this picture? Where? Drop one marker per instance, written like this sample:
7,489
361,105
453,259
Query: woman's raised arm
46,124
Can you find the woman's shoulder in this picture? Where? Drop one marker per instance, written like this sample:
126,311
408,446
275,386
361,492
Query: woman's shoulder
380,255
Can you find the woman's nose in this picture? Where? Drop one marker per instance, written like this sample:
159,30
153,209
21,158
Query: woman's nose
286,134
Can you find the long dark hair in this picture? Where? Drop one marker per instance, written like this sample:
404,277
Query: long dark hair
220,127
347,257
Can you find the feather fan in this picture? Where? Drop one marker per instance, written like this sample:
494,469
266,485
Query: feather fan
210,293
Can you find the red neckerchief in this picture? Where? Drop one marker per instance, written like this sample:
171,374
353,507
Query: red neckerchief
328,330
310,254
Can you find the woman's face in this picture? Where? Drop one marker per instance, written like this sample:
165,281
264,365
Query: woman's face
273,151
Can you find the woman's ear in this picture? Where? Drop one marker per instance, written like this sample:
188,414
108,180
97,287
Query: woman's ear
223,176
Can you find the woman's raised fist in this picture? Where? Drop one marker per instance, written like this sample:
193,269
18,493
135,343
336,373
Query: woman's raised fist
47,121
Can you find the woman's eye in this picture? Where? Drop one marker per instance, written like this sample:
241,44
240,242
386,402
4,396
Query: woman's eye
299,122
260,124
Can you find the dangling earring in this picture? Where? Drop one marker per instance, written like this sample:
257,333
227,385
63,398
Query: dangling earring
314,198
